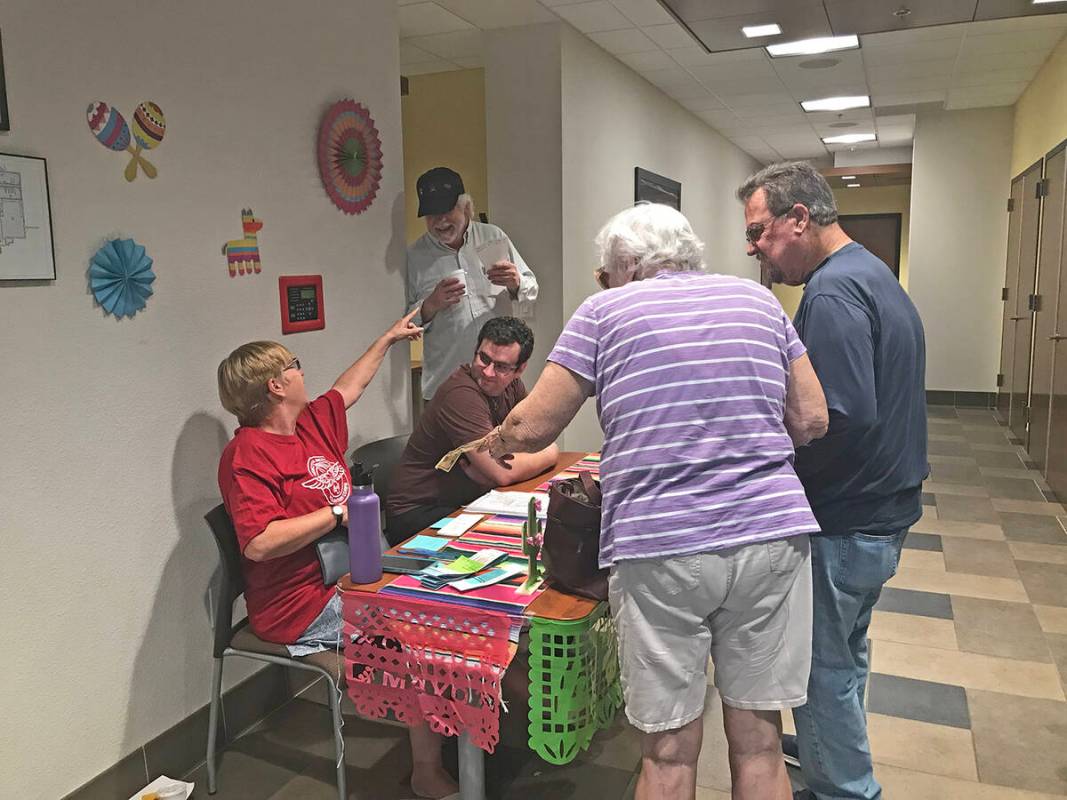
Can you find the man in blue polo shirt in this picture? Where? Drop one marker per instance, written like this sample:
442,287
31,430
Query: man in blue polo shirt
864,478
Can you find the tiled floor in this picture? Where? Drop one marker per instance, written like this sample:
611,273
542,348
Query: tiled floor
969,666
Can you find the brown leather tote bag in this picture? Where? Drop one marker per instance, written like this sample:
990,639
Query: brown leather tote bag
572,538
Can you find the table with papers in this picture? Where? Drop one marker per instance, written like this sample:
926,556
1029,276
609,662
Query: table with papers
438,653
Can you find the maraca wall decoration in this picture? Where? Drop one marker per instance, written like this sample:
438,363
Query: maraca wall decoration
110,129
350,156
242,255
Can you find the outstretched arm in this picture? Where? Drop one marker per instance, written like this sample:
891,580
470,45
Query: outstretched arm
355,379
536,422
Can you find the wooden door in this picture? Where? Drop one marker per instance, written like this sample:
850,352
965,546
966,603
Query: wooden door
1056,217
879,233
1050,255
1029,227
1011,287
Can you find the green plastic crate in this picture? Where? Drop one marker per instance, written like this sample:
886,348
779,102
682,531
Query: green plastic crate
574,683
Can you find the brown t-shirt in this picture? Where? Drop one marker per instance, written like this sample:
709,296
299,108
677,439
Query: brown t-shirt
458,413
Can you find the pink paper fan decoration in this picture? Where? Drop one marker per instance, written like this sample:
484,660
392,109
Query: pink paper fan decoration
350,156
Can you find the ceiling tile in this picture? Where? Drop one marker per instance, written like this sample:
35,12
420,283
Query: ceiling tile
643,12
1003,94
408,2
683,94
905,85
761,100
440,65
489,15
471,62
891,38
883,73
727,69
629,40
993,77
1016,41
861,16
673,76
708,102
554,3
423,19
599,15
891,98
721,120
643,62
1016,60
1034,22
410,54
458,44
907,52
669,36
726,86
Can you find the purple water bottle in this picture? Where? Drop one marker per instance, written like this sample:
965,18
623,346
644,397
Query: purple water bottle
364,528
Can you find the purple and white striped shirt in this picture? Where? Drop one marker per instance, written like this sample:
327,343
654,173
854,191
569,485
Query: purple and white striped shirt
691,372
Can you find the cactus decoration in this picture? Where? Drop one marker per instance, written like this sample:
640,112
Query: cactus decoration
532,539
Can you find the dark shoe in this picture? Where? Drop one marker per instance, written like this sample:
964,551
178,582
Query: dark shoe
803,794
791,750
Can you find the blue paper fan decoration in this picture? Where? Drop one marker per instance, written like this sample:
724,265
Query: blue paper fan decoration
120,276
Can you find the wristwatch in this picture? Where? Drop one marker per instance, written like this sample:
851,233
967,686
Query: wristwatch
338,514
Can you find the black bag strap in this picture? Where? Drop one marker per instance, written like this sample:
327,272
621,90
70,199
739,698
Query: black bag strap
592,491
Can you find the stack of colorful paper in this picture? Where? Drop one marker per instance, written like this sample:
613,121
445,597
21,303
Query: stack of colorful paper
589,463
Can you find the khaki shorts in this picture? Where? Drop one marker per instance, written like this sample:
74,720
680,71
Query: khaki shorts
749,607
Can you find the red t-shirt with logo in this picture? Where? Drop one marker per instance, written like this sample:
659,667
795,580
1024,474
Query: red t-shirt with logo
268,476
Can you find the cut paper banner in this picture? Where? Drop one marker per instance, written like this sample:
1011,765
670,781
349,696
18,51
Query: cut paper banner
350,156
121,277
110,129
242,255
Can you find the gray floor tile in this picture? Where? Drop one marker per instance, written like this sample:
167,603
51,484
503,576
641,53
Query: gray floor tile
1014,489
243,777
1057,645
1018,741
961,508
998,628
994,458
924,701
978,416
928,499
974,557
907,601
941,412
1036,528
985,434
923,541
956,473
538,780
940,447
1046,584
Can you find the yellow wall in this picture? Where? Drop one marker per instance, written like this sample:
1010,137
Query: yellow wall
444,125
871,200
1041,112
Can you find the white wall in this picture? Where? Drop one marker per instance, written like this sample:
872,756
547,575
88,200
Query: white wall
523,161
960,181
613,121
112,429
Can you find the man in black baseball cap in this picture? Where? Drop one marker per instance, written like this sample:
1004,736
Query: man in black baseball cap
461,273
438,190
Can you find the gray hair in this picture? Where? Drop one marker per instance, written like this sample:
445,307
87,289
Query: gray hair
466,202
649,238
790,182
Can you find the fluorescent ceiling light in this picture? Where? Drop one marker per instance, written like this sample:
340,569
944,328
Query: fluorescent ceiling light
849,138
755,31
810,47
848,177
837,103
852,185
1041,2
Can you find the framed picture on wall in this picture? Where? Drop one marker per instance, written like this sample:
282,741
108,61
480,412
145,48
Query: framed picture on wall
26,249
653,188
5,122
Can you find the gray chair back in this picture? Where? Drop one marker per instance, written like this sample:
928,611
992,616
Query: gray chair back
383,455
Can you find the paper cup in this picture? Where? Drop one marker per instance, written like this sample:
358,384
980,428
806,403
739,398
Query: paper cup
462,275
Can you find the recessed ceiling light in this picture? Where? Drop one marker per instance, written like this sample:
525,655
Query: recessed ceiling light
849,138
848,177
1042,2
755,31
837,103
852,186
809,47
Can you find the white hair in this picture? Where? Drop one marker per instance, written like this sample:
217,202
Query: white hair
466,202
647,239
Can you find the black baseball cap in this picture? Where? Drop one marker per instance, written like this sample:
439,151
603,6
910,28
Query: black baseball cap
438,190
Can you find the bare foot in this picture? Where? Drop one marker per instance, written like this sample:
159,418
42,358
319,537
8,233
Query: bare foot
432,782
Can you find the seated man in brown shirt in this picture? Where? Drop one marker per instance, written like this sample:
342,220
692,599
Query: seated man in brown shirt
471,402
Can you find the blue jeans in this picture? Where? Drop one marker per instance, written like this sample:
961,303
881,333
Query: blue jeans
848,572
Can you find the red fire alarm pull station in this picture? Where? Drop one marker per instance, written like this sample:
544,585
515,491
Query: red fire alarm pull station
302,304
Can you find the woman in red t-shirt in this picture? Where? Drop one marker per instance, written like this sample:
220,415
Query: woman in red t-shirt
284,483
